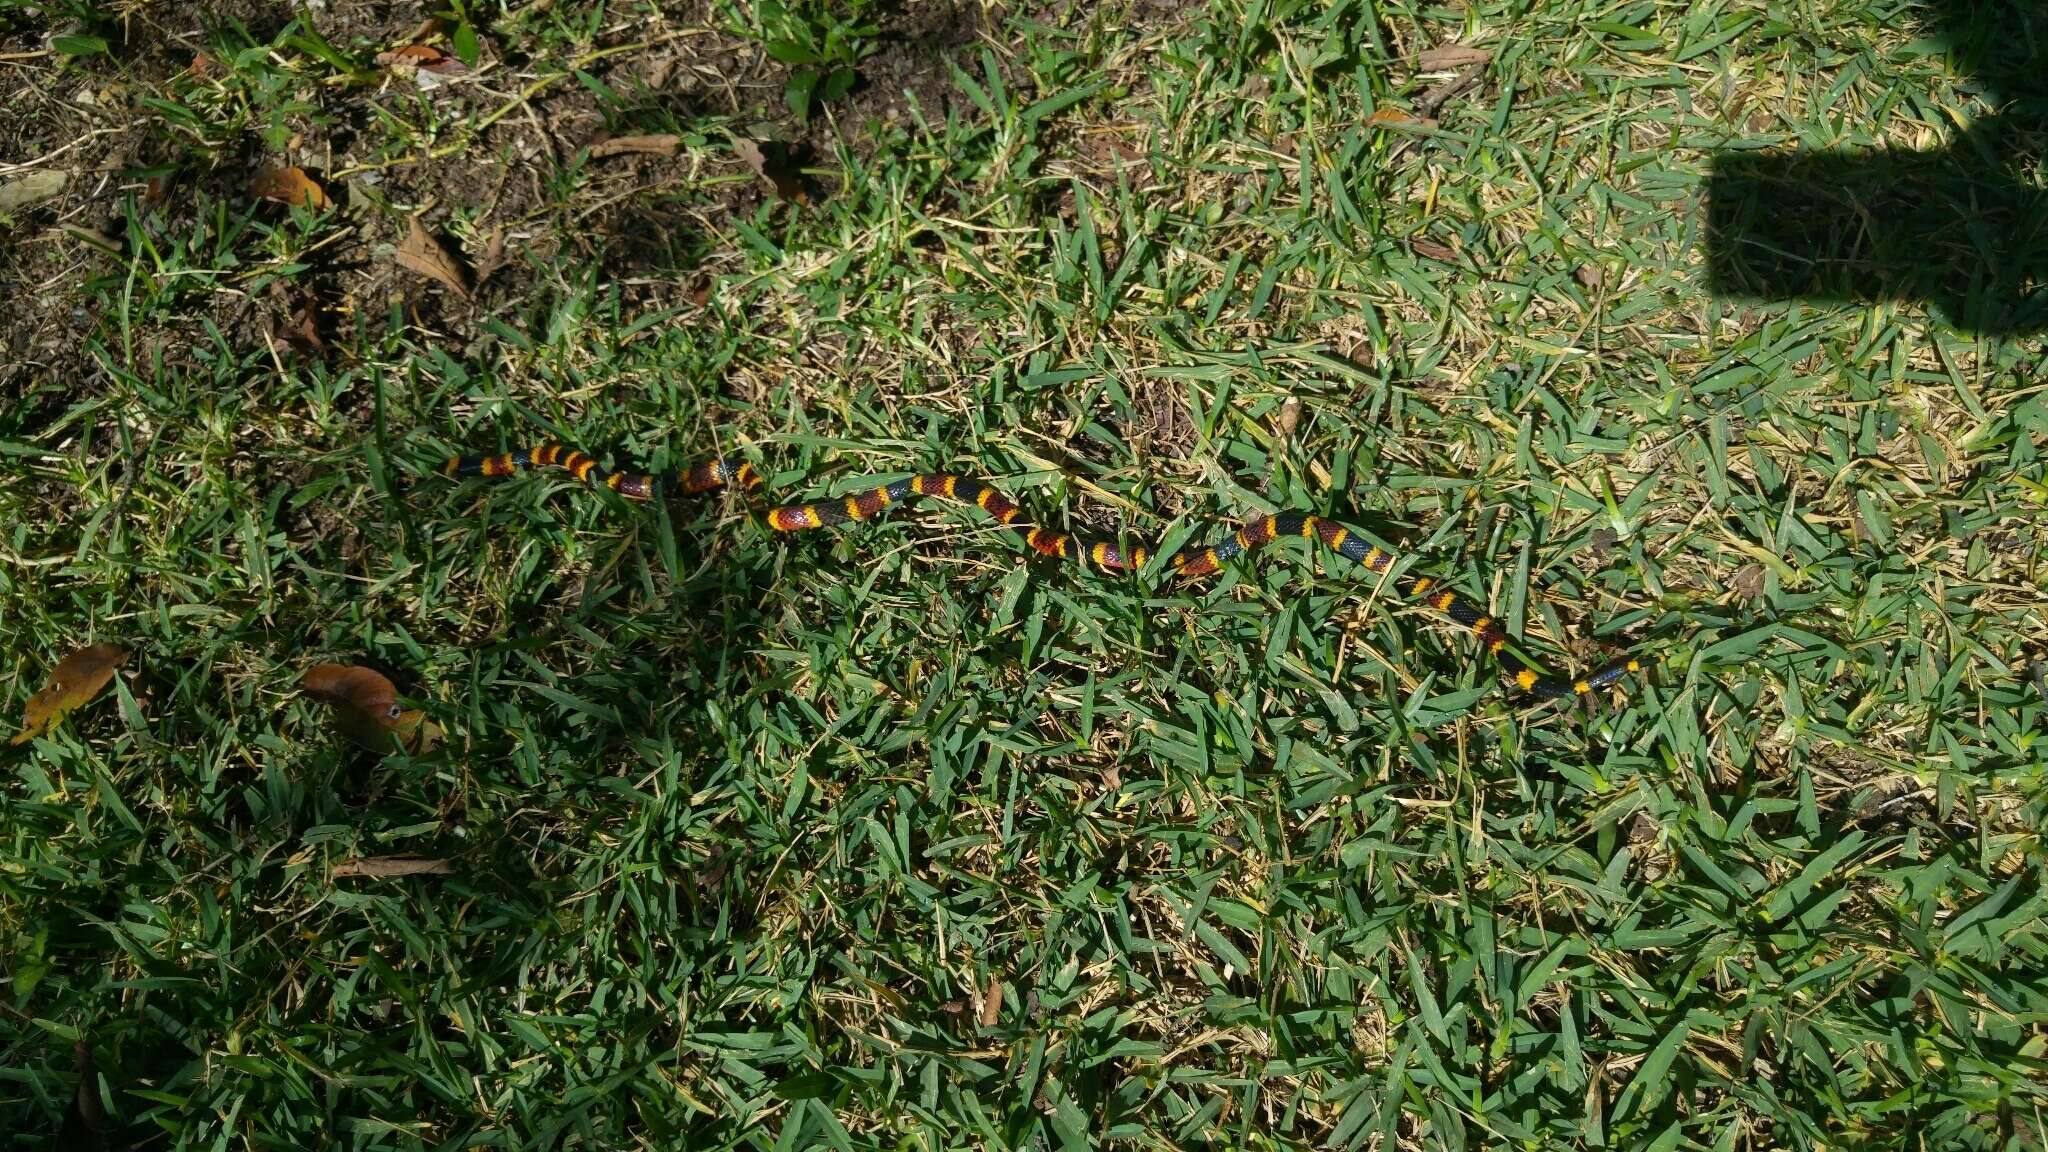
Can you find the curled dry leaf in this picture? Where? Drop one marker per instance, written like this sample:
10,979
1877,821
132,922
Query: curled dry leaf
420,252
1451,57
663,145
1434,250
992,1002
75,680
771,161
378,867
288,185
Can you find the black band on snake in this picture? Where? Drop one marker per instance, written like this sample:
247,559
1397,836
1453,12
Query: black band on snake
1190,563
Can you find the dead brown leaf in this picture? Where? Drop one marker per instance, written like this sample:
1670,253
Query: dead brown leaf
662,145
714,872
300,327
1749,581
75,680
1434,250
289,185
1290,415
771,161
1388,116
423,58
1451,57
85,1122
493,258
992,1002
421,252
379,867
302,333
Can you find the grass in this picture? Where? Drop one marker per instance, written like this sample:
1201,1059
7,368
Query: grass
892,837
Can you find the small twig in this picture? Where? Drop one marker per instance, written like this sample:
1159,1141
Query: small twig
1437,97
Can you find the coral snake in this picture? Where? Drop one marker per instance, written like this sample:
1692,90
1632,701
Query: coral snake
867,503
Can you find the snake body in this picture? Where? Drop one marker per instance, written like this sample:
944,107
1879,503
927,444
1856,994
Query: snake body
1106,554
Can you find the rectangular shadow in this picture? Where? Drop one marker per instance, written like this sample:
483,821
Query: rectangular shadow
1955,229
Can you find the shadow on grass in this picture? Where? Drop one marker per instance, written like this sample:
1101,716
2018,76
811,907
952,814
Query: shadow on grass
1962,229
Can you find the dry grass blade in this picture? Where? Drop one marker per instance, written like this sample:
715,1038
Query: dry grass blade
424,253
75,680
1451,57
381,867
659,145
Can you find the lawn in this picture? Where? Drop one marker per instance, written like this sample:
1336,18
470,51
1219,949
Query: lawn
1712,332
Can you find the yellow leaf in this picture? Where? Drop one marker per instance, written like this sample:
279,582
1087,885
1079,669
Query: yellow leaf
76,679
